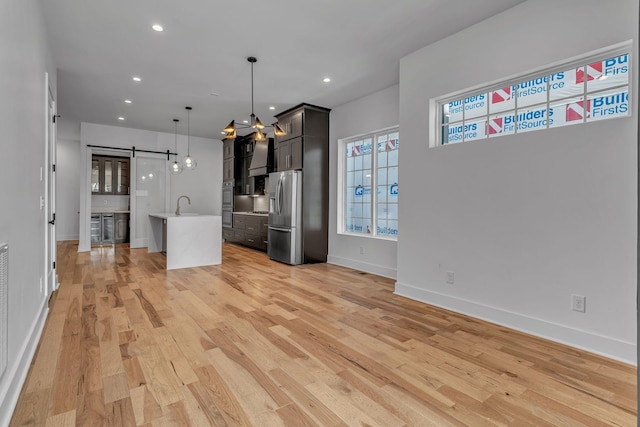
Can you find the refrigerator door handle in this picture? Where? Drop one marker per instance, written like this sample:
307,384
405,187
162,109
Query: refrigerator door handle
285,230
280,195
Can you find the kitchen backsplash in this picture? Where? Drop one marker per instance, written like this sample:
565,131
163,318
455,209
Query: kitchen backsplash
251,203
120,203
261,203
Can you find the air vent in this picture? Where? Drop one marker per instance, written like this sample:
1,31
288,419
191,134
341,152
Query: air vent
4,285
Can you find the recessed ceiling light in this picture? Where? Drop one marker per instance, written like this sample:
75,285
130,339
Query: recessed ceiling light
127,101
121,118
214,94
223,133
326,80
137,79
157,27
272,108
245,121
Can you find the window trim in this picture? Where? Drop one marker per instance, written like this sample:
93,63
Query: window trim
435,104
342,195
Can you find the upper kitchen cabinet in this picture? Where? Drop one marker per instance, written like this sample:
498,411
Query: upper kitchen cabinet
227,148
109,175
307,132
228,159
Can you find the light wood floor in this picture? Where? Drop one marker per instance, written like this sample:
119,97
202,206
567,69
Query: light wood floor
255,342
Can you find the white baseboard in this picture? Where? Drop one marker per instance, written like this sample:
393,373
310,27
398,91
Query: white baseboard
13,379
605,346
363,266
68,237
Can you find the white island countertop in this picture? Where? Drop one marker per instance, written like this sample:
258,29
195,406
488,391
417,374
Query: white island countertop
191,240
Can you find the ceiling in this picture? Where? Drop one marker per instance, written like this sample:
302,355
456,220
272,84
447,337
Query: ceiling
200,58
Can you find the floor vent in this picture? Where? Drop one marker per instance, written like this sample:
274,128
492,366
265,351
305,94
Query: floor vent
4,285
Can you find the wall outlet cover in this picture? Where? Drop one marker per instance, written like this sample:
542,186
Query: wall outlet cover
450,277
579,303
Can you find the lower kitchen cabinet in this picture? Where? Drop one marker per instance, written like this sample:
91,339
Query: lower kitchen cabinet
121,232
102,229
108,228
248,230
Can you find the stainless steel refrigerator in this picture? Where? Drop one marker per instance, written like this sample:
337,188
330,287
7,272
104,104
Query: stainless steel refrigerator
285,217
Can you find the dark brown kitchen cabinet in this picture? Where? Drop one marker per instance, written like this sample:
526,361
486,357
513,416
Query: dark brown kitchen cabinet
227,149
307,136
228,159
291,123
121,177
249,230
227,169
109,175
306,147
290,154
121,227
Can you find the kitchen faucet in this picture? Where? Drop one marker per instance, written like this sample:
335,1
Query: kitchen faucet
178,208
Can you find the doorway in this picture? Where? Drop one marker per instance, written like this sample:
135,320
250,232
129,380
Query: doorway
50,201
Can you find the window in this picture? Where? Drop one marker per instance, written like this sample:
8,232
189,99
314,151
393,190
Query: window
596,88
367,162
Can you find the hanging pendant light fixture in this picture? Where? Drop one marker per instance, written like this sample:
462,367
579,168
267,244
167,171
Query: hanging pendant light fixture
230,130
175,168
189,162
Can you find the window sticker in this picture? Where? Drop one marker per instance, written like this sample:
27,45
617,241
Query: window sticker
565,84
453,111
568,112
501,124
502,99
533,91
608,104
533,118
607,74
475,106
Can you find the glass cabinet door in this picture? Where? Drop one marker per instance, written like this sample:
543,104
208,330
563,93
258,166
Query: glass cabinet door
122,177
95,176
108,176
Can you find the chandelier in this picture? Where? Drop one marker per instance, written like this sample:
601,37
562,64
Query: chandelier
255,123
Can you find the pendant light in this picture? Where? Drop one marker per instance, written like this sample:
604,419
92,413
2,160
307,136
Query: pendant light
189,162
230,130
175,168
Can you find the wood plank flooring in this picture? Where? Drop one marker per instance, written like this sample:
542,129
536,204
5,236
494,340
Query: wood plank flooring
257,343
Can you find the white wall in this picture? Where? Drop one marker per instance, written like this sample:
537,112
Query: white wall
203,186
524,221
24,60
370,113
67,195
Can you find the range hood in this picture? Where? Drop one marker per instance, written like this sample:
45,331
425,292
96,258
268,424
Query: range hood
260,161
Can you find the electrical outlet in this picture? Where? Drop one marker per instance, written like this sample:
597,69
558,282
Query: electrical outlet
579,303
361,250
450,277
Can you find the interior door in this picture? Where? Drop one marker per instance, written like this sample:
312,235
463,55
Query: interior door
52,277
148,195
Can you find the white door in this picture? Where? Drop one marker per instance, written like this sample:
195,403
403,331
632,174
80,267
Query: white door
148,194
52,277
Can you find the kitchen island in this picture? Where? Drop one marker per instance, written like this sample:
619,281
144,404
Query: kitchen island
188,240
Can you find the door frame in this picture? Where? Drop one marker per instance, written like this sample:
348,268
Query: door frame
50,272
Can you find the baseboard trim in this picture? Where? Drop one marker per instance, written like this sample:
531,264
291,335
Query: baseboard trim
604,346
68,237
362,266
14,379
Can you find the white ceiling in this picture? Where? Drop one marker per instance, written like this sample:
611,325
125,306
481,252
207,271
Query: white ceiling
99,45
